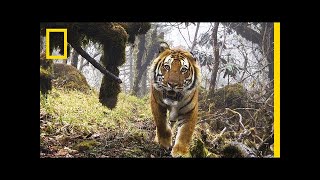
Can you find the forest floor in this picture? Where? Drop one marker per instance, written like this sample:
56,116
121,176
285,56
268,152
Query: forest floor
74,124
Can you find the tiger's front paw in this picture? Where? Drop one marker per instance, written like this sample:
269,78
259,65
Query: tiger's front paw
165,140
180,150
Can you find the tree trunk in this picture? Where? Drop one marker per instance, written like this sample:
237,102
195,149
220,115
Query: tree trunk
131,68
267,46
138,70
151,52
195,38
81,64
216,56
74,59
144,84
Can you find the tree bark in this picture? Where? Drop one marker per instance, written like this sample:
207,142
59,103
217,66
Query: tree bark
74,59
216,56
267,47
151,52
144,84
195,38
131,68
138,74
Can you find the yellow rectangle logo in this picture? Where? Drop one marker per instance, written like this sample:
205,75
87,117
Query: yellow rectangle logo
277,90
64,31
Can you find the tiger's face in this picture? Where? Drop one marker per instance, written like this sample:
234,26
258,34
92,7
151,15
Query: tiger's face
175,74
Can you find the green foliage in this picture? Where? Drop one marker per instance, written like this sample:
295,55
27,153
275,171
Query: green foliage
230,69
86,145
45,74
69,77
198,150
82,113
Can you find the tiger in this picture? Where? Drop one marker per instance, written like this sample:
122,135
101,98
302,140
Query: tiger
175,78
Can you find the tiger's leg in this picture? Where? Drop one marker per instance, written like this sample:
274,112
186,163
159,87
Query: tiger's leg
184,135
163,131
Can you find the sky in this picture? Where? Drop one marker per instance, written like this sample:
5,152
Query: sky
177,39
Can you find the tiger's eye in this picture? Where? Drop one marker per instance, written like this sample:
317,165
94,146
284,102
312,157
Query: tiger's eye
184,70
167,67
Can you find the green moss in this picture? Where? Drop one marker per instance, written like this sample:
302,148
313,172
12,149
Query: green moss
109,90
134,29
198,150
236,150
86,145
68,77
45,74
135,152
232,96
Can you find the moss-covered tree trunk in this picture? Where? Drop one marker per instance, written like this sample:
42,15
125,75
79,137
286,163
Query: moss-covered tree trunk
138,69
45,74
113,57
109,88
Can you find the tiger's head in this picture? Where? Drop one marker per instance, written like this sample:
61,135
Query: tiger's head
175,72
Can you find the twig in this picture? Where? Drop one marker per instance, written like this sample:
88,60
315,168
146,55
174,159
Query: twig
183,38
267,142
251,75
206,120
246,109
240,117
212,118
223,130
219,135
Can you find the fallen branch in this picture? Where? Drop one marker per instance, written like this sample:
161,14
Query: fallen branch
85,55
219,135
240,117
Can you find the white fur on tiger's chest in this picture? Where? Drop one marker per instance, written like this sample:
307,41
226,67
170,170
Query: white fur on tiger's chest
170,102
173,114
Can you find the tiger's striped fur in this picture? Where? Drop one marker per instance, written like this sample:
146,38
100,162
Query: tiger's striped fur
174,87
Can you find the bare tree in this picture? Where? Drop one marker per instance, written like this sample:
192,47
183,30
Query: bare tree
195,37
151,52
138,74
216,56
74,58
131,67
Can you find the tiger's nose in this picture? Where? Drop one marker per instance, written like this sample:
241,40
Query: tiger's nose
172,84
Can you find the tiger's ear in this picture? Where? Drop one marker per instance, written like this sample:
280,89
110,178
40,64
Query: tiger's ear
163,46
195,59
